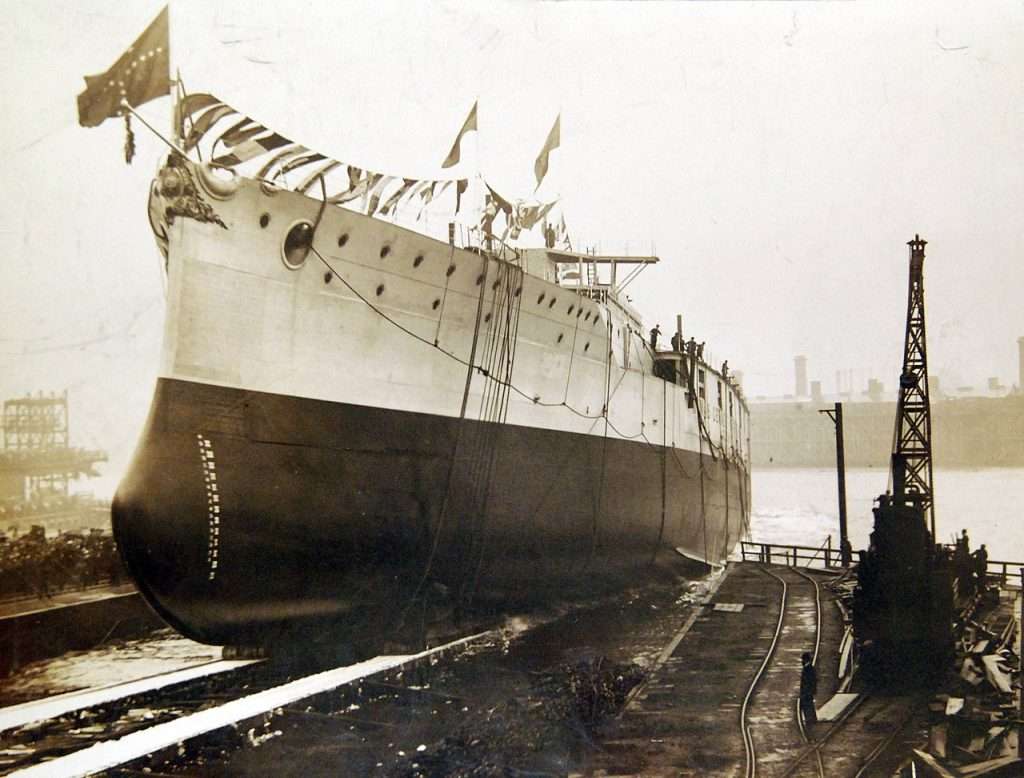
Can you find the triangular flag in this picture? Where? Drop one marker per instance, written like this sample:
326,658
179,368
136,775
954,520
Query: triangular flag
392,201
470,124
540,167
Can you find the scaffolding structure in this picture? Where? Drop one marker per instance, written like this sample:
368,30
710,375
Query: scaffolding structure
37,452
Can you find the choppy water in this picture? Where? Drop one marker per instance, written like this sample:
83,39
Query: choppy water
800,506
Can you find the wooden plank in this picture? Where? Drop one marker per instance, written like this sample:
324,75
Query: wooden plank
986,768
833,709
932,766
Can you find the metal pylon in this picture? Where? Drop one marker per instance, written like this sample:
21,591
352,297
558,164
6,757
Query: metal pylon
913,440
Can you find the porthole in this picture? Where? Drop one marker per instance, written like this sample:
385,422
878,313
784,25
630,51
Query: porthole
479,279
495,285
384,251
343,239
450,270
487,318
519,291
380,289
587,317
587,347
552,303
296,245
540,299
571,309
437,302
328,276
579,312
264,220
560,336
418,261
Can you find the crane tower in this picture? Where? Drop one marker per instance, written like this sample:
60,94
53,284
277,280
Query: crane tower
912,445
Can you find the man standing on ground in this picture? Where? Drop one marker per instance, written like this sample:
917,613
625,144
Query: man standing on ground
808,688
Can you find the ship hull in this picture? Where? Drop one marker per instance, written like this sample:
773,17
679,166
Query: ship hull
388,422
245,513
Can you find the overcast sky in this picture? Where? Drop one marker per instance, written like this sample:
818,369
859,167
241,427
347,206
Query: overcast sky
777,156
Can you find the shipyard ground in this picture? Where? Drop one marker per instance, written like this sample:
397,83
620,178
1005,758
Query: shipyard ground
655,682
650,684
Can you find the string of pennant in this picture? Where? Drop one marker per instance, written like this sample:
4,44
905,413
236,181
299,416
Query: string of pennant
247,142
142,74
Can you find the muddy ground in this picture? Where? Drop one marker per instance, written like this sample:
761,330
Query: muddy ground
531,702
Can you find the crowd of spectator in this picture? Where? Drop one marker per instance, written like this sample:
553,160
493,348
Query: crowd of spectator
33,564
39,505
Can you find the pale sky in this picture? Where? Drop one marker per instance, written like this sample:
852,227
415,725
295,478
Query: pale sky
777,156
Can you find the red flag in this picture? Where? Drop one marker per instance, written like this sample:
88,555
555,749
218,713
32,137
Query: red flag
141,74
540,167
470,124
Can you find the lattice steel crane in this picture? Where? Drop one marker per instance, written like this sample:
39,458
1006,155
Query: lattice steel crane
911,471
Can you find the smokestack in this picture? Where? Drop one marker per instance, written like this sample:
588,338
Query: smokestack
816,395
875,389
801,376
1020,364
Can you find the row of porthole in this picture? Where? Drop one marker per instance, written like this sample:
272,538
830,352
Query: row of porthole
579,310
417,261
437,301
385,250
305,227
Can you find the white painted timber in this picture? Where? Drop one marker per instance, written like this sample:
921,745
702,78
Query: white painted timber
834,708
61,704
111,753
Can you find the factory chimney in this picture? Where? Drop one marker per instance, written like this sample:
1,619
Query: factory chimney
801,375
1020,364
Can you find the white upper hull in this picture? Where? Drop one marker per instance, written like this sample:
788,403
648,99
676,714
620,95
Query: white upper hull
239,317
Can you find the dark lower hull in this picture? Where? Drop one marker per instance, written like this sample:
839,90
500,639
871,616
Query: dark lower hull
337,513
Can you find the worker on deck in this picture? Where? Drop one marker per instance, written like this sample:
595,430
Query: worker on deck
808,688
655,334
964,567
980,558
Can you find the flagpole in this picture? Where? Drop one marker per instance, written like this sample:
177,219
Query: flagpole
133,112
176,83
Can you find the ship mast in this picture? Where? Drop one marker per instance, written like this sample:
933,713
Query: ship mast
912,445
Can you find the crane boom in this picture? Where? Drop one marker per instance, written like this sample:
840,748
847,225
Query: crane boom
912,447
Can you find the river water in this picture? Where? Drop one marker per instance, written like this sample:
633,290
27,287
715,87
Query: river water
800,506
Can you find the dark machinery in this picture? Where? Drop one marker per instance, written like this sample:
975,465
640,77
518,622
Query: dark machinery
903,603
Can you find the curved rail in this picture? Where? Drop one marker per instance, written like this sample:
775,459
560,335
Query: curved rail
814,662
876,752
748,740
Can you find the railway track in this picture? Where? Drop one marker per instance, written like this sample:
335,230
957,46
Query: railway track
781,746
769,740
107,731
872,722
